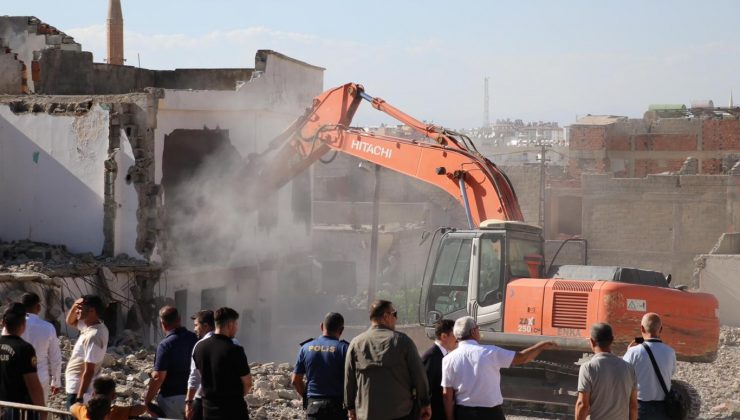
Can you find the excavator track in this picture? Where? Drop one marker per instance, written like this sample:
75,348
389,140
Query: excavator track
531,408
557,396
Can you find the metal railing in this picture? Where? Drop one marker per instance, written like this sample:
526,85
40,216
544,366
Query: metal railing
15,411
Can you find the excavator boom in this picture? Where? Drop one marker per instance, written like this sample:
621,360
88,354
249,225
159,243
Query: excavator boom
448,160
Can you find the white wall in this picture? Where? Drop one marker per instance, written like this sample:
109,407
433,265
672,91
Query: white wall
720,278
127,201
51,178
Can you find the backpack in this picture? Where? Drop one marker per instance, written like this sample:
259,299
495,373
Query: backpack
675,406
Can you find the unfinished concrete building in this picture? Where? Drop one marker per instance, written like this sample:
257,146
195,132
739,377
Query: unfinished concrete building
97,160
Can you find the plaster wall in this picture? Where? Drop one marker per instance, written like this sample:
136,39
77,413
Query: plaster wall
51,177
127,200
16,36
720,278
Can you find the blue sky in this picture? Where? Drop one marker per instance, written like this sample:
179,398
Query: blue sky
547,60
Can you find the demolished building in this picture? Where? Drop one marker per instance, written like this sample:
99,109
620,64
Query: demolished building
95,159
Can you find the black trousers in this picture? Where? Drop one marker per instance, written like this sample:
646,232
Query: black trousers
225,409
651,410
197,409
488,413
325,409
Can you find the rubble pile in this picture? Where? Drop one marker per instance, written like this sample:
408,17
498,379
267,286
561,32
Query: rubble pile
718,383
55,260
130,365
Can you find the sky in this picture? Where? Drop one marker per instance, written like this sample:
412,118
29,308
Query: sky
546,60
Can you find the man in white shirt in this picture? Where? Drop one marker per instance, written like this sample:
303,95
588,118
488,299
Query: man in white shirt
43,337
471,377
650,395
84,361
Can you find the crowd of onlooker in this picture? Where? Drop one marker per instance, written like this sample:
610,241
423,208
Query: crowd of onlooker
378,375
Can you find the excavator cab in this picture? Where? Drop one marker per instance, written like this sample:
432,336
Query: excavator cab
470,269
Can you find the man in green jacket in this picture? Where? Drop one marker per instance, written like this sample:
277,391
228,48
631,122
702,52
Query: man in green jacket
383,374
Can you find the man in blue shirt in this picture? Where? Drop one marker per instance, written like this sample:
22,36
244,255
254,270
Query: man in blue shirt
171,365
321,361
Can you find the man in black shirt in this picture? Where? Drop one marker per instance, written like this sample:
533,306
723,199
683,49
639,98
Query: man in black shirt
19,381
224,370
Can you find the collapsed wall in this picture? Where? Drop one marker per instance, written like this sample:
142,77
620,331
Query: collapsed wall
79,171
118,162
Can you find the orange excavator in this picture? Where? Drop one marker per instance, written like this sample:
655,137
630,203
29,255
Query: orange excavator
495,269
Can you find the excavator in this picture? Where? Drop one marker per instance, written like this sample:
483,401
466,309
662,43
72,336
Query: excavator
494,270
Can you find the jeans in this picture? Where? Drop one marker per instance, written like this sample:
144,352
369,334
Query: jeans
173,406
651,410
70,400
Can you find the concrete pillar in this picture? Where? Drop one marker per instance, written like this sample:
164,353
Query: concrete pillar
115,33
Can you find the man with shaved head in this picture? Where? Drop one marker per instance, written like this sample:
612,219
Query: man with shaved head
607,386
169,382
650,395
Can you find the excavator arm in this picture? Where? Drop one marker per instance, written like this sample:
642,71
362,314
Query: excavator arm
448,160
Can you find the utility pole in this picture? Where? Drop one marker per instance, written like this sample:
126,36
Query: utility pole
373,274
543,166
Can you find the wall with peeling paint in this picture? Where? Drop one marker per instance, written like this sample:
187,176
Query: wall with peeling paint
51,177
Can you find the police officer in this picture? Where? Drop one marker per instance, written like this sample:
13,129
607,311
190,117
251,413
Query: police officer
321,361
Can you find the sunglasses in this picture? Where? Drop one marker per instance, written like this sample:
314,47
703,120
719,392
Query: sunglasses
394,314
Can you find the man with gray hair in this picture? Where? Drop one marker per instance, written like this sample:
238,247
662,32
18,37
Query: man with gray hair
607,388
471,377
650,395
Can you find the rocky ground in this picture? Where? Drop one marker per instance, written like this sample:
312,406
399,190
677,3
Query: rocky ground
718,383
273,398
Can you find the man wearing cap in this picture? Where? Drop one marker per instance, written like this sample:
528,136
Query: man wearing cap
321,362
471,375
607,386
89,350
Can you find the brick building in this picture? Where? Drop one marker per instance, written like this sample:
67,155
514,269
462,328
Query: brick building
638,147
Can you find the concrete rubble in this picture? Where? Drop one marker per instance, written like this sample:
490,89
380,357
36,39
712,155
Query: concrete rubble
718,383
130,365
56,260
272,396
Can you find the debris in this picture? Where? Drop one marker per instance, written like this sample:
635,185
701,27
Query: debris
271,398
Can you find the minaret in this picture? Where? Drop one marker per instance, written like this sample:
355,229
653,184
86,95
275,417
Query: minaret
115,33
732,105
